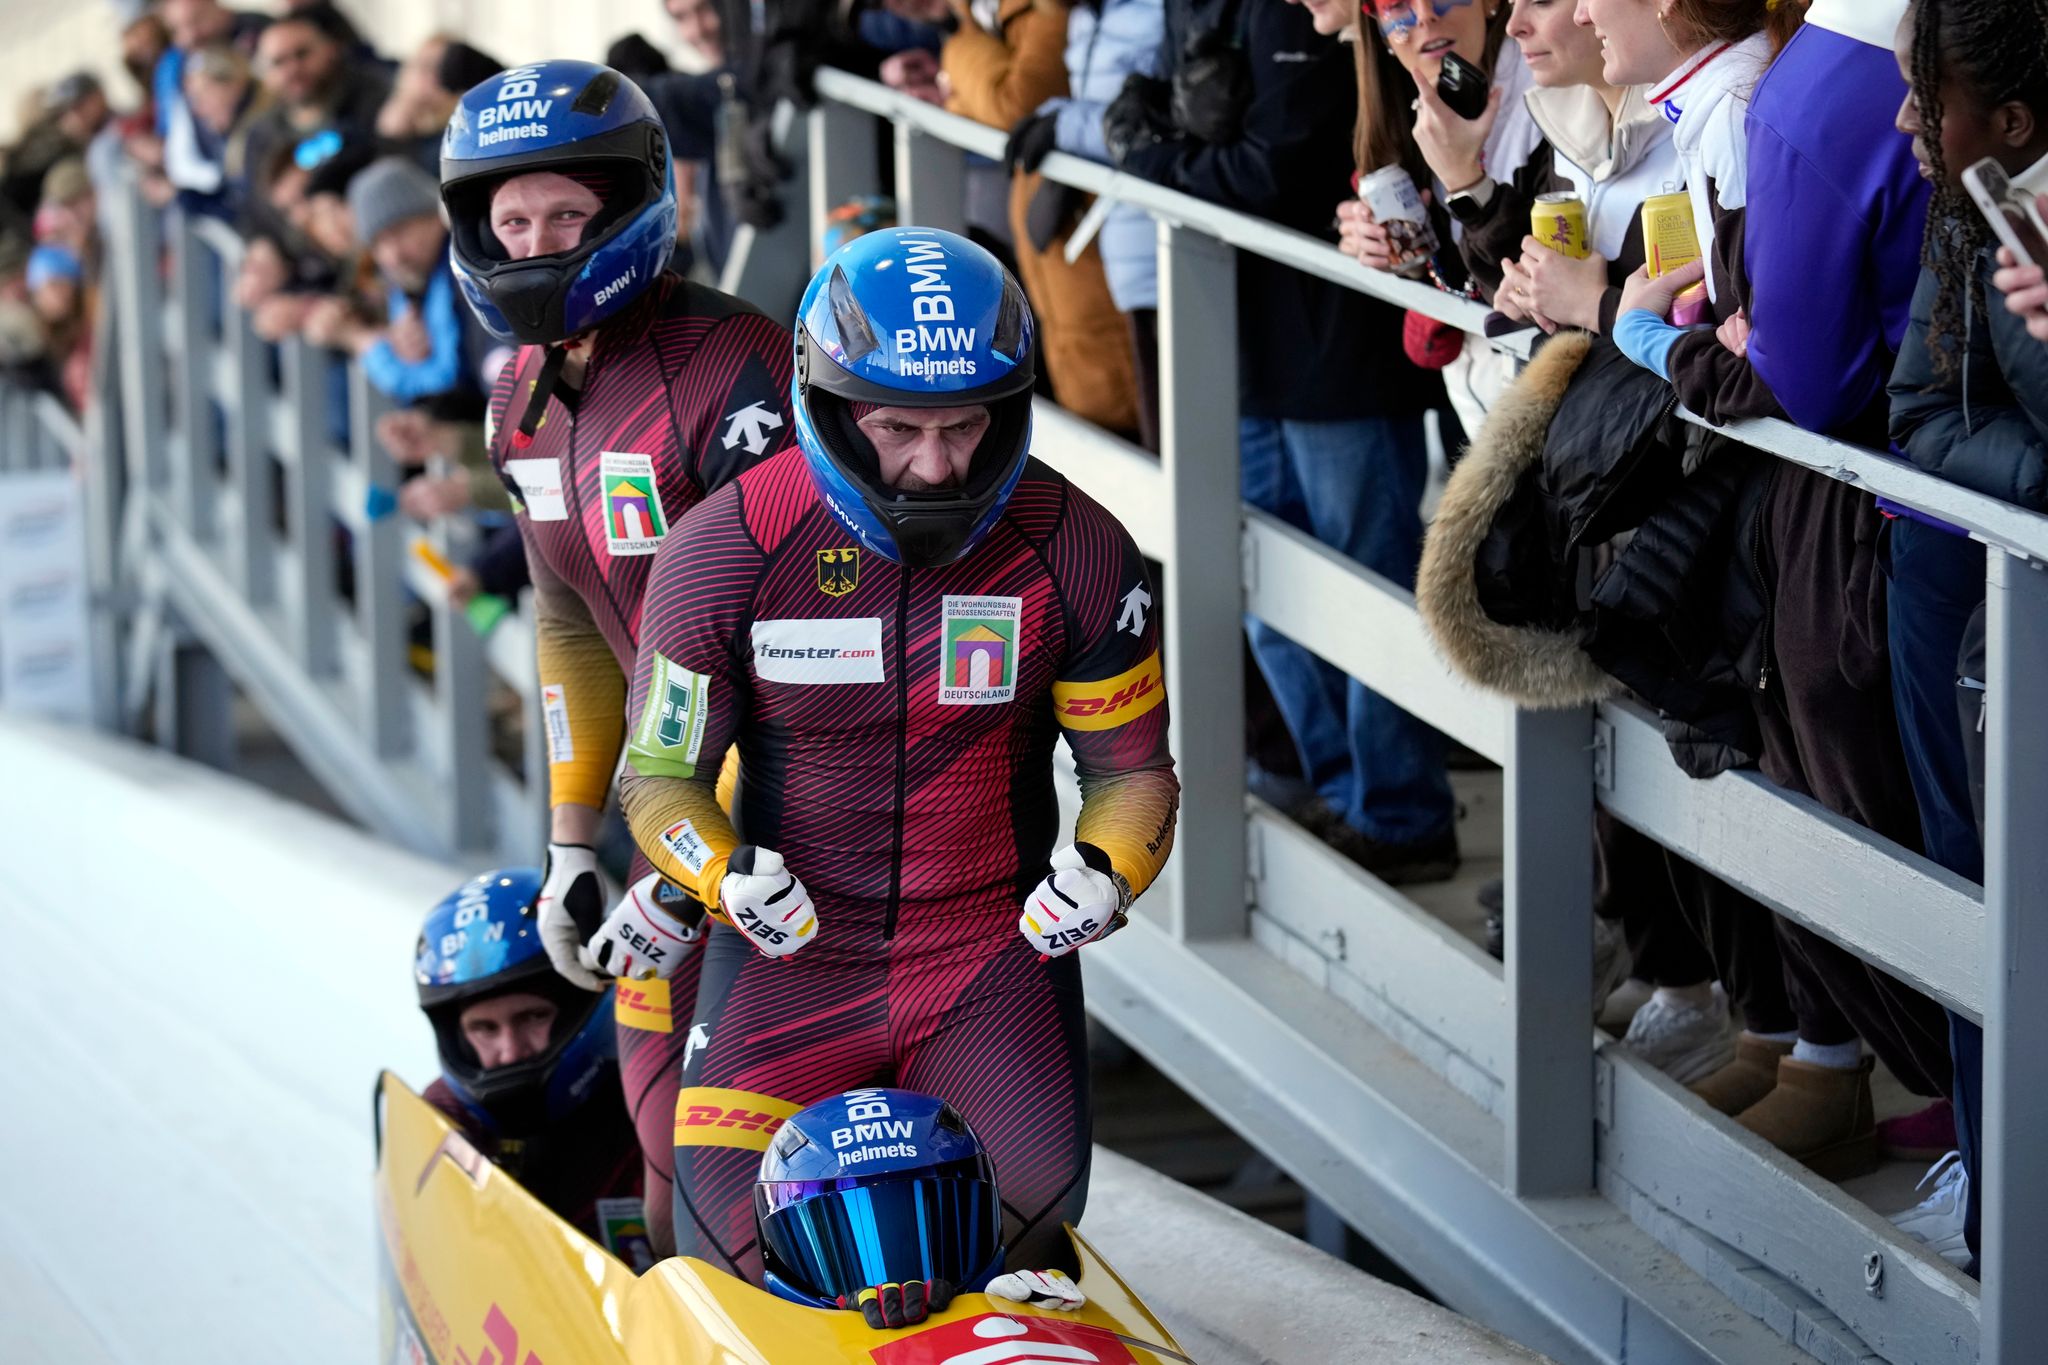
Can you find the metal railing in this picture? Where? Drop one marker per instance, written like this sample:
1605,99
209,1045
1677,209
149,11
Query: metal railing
1456,1110
244,549
1559,1229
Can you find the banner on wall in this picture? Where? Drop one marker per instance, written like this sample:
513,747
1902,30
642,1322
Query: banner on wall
45,600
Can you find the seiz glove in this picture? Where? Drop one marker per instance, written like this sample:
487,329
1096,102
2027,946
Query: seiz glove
571,907
901,1305
1038,1288
652,931
1079,903
767,904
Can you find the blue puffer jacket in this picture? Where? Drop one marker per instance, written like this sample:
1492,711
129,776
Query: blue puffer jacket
1104,45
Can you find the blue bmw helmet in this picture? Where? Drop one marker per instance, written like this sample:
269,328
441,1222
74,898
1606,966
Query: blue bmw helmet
917,318
873,1187
563,117
482,941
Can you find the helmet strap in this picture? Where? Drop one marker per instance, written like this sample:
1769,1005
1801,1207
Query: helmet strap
551,362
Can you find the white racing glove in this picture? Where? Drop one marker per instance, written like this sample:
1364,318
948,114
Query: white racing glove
1077,904
571,908
652,931
767,904
1037,1288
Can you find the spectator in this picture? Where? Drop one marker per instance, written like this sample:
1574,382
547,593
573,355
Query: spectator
1823,699
57,292
134,135
1331,432
318,85
43,143
417,109
1107,41
78,105
225,103
192,24
989,75
1969,402
1399,125
1602,143
700,29
69,212
1827,367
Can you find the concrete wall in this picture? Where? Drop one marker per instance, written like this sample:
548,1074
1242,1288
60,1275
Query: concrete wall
44,39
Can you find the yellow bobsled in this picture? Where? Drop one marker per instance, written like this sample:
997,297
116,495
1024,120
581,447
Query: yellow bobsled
476,1271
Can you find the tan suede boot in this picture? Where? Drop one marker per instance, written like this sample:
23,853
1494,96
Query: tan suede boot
1821,1115
1751,1076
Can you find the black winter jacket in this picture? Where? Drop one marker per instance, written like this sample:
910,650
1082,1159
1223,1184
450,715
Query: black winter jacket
1590,537
1308,349
1985,425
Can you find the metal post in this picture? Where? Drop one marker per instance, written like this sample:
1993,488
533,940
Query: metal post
1204,588
2013,1178
461,683
1548,828
140,337
843,162
194,703
310,606
102,471
379,573
251,535
931,182
196,283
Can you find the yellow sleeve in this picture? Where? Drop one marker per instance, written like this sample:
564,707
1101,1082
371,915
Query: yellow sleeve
998,80
1130,817
582,690
681,827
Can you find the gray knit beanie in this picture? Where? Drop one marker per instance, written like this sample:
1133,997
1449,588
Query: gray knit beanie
387,193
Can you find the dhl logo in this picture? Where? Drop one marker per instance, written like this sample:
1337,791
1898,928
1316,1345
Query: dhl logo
707,1116
1111,702
643,1005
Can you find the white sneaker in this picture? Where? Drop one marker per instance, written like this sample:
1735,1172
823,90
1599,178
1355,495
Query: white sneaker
1684,1042
1612,961
1937,1220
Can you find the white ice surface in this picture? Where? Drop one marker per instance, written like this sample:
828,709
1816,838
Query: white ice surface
198,984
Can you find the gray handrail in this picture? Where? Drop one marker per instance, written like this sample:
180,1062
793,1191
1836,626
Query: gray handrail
1999,523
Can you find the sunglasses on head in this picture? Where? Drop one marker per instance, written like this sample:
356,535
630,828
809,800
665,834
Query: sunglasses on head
1397,18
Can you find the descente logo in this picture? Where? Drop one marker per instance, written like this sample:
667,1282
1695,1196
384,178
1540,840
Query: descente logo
611,291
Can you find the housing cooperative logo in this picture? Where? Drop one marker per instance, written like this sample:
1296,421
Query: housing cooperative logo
980,642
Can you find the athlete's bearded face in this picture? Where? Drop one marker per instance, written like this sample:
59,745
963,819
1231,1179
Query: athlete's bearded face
508,1028
541,214
925,448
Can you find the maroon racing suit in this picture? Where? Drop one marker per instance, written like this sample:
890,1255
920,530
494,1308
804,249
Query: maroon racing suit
682,391
896,730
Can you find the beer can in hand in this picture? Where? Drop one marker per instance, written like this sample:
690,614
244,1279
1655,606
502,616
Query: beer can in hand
1669,240
1559,222
1397,206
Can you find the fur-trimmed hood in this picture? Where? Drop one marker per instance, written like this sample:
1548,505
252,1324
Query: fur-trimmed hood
1537,666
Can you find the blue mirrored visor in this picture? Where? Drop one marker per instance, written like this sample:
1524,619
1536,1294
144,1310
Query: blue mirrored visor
836,1237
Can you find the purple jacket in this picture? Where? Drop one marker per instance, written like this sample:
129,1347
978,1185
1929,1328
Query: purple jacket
1837,206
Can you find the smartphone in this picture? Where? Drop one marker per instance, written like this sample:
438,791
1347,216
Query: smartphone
1463,86
2011,211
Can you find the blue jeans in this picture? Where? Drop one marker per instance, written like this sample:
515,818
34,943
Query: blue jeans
1355,486
1935,582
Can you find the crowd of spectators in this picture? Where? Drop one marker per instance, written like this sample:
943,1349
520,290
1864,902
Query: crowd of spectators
1775,618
